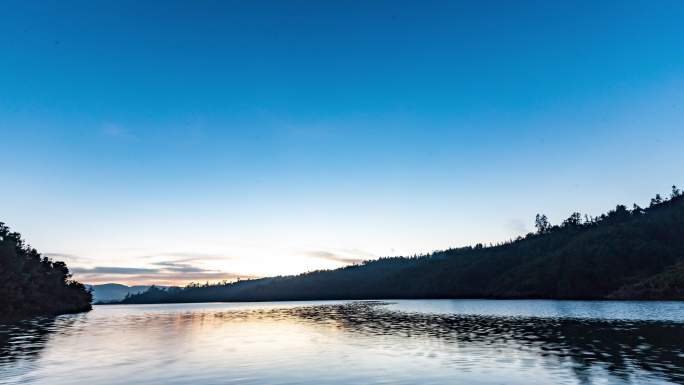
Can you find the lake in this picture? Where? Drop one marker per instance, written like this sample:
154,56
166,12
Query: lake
352,342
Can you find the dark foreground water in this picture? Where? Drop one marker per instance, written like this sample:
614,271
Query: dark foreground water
374,342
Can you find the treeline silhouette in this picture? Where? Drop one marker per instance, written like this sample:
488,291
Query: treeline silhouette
627,253
33,285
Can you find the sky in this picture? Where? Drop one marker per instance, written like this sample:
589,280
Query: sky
168,142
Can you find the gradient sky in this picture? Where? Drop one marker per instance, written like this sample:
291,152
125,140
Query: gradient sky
169,142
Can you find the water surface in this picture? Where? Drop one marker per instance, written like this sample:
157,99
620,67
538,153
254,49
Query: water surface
344,342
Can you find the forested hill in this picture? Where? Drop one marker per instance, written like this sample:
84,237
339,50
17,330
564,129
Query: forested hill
628,253
32,285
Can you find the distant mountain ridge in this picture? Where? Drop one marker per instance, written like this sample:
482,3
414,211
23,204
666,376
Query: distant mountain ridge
111,292
635,253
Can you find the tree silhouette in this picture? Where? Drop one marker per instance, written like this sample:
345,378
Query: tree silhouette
657,200
31,285
574,220
541,222
637,254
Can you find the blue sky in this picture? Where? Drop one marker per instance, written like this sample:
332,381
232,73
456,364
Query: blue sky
211,139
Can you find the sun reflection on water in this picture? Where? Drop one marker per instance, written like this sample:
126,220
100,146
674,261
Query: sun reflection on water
337,343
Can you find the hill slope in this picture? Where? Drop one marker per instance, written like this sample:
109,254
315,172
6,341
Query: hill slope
625,253
110,292
31,285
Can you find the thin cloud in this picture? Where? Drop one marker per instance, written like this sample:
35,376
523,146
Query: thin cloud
328,255
112,270
180,267
163,267
65,256
184,256
166,279
163,273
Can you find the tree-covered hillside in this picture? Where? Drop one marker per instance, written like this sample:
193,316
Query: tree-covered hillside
626,253
113,292
33,285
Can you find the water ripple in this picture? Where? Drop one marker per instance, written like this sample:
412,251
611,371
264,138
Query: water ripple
321,343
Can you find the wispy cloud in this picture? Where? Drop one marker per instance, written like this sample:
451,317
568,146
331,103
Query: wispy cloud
166,279
65,257
180,267
161,273
112,270
343,257
184,256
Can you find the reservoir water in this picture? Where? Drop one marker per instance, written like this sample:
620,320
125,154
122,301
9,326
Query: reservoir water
352,342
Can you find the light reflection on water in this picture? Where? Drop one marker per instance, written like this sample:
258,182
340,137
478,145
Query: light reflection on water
394,342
